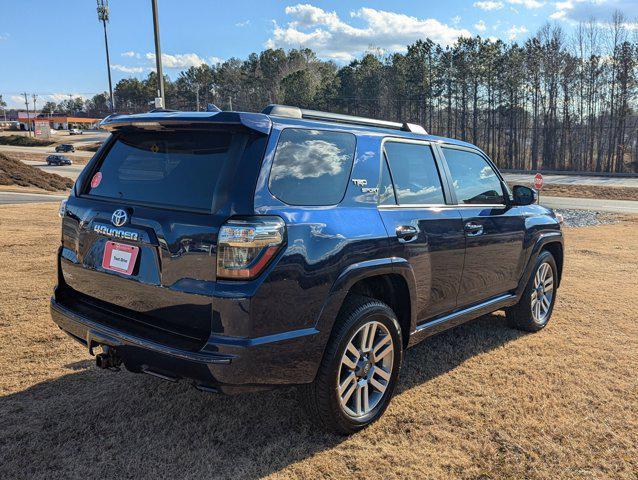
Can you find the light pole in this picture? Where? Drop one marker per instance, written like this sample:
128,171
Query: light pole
103,16
158,56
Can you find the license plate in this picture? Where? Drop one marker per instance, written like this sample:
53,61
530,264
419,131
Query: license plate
120,257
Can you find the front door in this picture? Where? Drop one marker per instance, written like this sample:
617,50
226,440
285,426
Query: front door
494,231
422,227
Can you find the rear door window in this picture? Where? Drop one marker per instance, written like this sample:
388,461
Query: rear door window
187,169
473,179
414,173
312,167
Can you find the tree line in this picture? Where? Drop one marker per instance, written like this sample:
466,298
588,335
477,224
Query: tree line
555,102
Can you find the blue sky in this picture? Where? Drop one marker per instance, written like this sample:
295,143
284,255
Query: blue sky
56,48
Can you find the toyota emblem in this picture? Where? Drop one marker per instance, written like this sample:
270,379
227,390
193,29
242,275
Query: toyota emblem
119,217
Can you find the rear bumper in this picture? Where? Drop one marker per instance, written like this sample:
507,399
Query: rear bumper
224,364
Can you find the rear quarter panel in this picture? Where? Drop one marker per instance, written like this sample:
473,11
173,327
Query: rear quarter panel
322,243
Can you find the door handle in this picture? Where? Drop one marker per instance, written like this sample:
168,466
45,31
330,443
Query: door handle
406,233
473,229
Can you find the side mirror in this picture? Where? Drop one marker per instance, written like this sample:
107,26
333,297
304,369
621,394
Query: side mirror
524,195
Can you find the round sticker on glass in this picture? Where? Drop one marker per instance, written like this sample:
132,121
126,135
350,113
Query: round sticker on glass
95,181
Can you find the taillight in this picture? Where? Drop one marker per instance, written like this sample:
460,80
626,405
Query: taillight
245,246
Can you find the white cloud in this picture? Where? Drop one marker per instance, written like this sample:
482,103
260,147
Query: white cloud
515,31
215,60
125,69
456,20
527,3
131,54
180,60
245,23
488,5
601,10
480,26
4,36
333,38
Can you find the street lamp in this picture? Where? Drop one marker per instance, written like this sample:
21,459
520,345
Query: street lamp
103,16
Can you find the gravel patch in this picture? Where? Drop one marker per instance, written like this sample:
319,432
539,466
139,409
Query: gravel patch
586,218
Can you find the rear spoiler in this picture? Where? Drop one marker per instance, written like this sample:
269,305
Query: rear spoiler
168,119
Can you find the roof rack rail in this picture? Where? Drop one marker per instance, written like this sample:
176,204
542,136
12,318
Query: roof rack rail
296,112
158,110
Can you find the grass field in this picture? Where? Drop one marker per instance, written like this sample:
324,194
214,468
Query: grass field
478,402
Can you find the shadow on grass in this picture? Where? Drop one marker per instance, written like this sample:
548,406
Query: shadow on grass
120,425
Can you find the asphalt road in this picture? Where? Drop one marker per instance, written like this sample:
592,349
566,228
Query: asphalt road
88,137
71,171
7,198
43,150
574,180
601,205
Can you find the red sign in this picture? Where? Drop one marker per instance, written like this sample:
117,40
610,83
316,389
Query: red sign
119,257
95,181
538,181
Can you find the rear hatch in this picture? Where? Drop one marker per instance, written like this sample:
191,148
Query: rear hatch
139,234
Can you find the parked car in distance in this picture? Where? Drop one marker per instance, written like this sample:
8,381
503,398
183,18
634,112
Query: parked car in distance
244,251
64,147
75,131
58,160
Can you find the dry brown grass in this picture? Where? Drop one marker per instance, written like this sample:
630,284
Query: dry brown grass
480,401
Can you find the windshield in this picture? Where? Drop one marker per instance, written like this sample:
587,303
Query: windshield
181,169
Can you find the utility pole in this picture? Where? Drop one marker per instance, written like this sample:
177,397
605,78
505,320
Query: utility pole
103,16
26,102
158,56
35,98
197,97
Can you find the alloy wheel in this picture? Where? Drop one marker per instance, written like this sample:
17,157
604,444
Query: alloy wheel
365,370
543,293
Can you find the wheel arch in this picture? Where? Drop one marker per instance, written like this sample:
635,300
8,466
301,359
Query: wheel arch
551,242
556,249
390,280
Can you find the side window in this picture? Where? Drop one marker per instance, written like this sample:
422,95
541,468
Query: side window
386,190
414,172
311,167
474,180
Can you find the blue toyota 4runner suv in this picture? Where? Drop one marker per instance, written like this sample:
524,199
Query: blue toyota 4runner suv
293,247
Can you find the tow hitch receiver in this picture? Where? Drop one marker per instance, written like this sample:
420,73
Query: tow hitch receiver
108,358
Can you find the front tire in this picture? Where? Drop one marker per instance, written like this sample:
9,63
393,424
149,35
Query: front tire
359,370
533,311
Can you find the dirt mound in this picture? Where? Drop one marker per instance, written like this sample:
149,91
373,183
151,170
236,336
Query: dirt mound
14,172
23,141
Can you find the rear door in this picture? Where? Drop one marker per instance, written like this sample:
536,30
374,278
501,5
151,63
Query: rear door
139,237
494,232
423,227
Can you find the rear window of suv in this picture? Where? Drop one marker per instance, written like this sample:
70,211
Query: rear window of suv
185,169
312,167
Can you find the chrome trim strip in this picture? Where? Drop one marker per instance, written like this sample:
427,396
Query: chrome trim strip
460,313
443,205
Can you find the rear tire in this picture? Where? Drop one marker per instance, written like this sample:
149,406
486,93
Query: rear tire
359,369
534,309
